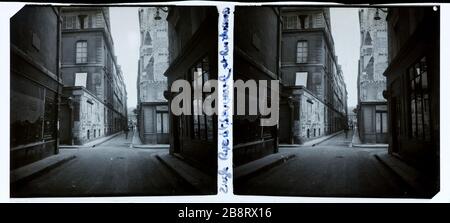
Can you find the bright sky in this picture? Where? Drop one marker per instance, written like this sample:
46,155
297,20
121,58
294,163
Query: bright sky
344,27
125,34
345,31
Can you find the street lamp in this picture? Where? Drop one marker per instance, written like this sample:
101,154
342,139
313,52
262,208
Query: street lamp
377,15
164,9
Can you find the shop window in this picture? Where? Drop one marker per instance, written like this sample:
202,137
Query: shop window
203,126
162,119
419,101
27,111
381,122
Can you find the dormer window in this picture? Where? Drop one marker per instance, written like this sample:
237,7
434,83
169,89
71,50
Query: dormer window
296,22
82,20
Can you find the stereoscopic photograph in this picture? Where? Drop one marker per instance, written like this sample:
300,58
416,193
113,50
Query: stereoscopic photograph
356,95
122,101
91,105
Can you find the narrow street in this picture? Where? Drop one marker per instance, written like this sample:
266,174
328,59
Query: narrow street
110,169
331,168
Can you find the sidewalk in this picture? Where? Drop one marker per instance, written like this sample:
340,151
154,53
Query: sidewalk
313,142
202,182
260,165
137,143
37,168
92,143
419,183
356,142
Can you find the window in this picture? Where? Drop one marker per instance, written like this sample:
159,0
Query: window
296,22
318,21
82,19
302,51
162,119
202,124
81,52
381,121
81,79
27,111
304,21
301,78
69,22
290,22
148,39
419,100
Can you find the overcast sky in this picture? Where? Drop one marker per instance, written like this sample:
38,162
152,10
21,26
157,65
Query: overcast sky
345,31
125,33
344,27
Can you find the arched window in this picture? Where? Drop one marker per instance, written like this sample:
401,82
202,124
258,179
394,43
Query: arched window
147,40
368,40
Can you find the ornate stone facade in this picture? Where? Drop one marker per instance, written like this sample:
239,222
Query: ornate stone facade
372,110
153,121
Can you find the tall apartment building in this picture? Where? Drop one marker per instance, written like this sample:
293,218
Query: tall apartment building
313,99
372,106
153,113
94,102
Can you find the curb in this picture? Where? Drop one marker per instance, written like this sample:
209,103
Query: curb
241,173
150,147
308,143
409,181
370,146
17,179
106,138
203,183
326,138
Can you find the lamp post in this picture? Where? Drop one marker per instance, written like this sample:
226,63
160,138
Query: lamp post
164,9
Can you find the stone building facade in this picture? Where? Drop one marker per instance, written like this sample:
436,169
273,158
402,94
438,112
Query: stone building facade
192,53
413,89
372,106
313,101
94,101
153,62
35,84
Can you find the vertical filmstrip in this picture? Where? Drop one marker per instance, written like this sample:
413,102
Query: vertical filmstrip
225,100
